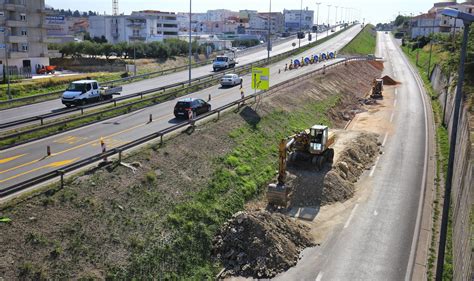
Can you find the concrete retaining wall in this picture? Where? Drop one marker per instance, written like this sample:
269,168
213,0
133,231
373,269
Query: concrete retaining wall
462,193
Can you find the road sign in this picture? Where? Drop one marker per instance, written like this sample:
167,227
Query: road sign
260,78
2,46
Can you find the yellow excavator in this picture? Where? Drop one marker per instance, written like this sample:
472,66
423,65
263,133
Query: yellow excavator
311,145
377,89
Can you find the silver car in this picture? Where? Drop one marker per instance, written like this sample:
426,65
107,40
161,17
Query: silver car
231,80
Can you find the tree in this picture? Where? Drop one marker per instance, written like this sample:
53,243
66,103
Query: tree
76,14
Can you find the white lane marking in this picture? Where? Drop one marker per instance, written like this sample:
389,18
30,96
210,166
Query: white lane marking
375,213
373,168
395,103
351,216
391,117
385,139
320,276
396,92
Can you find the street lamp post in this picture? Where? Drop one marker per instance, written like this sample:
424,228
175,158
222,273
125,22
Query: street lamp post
269,44
317,21
301,17
190,41
467,19
7,67
335,22
431,47
329,10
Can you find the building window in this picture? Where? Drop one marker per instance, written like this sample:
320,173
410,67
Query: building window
24,47
23,17
24,32
470,10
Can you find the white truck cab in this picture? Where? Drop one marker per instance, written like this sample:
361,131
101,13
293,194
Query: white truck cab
84,91
224,62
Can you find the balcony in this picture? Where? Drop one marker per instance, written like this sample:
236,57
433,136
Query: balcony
18,55
13,6
137,38
17,23
136,24
17,39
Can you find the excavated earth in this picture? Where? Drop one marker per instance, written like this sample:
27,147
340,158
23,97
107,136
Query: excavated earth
260,244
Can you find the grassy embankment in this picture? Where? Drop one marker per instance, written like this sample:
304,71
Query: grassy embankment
442,154
363,44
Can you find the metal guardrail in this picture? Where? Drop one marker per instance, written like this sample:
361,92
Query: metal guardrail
157,135
42,117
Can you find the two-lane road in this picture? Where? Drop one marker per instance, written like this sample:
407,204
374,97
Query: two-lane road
28,160
377,237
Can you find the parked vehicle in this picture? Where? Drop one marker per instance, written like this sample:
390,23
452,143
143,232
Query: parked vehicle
196,106
84,91
231,80
224,62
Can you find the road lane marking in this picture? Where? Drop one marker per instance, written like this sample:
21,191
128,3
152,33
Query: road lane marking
69,149
395,103
320,276
391,117
385,139
375,213
351,216
373,168
51,165
6,160
396,92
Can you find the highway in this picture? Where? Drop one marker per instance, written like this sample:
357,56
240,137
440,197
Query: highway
32,110
374,239
28,160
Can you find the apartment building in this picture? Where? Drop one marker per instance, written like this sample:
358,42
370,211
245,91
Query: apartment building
259,23
23,40
293,19
145,26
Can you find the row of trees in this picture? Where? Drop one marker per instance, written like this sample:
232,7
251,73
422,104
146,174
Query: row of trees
158,50
76,13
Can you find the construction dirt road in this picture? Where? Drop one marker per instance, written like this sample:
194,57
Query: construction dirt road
108,216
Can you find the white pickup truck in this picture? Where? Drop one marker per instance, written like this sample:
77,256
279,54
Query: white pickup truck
224,62
84,91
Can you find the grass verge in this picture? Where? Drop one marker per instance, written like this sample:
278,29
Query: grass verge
442,155
363,43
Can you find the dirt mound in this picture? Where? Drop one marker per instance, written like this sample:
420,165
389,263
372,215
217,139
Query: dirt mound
387,80
377,64
260,244
357,157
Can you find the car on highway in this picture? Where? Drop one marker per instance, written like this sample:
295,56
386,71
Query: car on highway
231,80
196,106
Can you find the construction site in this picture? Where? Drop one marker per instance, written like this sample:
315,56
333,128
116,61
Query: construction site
239,197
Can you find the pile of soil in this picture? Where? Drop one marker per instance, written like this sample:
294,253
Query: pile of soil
260,244
357,157
377,64
387,80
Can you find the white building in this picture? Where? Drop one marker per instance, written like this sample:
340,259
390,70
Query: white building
23,35
220,15
293,18
197,20
259,25
146,26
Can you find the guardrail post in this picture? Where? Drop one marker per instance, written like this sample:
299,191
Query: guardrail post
161,139
82,111
218,115
48,150
120,155
41,120
151,118
115,103
324,69
141,95
61,175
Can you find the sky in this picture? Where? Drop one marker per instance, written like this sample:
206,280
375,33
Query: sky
373,11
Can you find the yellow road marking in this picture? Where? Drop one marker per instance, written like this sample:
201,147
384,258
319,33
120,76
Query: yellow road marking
6,160
69,140
70,149
51,165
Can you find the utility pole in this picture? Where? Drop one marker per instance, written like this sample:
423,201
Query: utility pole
329,10
431,47
190,41
7,51
269,43
301,17
335,22
317,21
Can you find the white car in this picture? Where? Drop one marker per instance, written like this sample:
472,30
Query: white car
231,80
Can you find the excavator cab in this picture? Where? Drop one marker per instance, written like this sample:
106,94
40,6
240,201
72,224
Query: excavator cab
319,137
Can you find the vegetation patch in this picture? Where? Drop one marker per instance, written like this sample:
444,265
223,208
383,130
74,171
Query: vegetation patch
363,43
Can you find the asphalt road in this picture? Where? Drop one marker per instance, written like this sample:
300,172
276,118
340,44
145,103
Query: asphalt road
13,114
375,239
28,160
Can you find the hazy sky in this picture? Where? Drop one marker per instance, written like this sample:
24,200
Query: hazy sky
374,11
